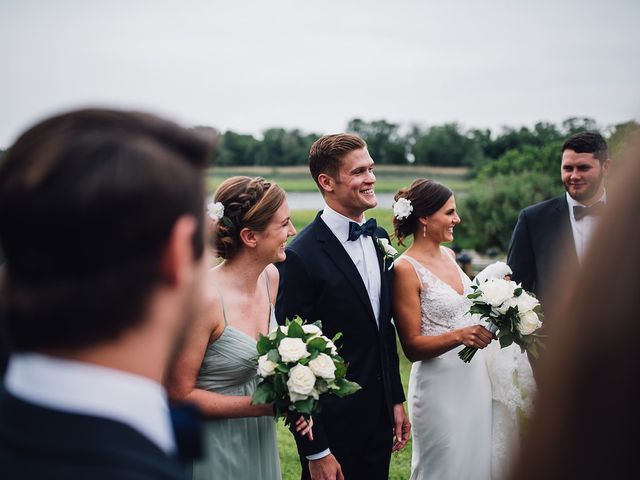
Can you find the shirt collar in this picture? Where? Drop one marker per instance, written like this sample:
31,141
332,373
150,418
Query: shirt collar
338,223
89,389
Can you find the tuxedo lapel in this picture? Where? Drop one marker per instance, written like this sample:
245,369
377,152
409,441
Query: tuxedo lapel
564,230
339,256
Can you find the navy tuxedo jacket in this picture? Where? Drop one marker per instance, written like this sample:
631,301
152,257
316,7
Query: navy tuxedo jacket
542,246
41,443
319,281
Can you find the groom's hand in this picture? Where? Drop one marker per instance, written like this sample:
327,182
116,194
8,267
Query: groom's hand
325,468
402,428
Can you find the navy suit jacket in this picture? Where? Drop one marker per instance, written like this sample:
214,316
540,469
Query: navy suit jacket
542,246
41,443
319,281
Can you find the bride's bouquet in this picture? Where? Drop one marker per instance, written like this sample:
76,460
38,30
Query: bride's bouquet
513,314
298,364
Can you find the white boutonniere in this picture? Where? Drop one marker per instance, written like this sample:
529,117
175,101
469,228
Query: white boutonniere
388,252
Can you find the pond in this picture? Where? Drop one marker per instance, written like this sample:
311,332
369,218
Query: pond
313,200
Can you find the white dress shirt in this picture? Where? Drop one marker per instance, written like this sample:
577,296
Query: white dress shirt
582,229
361,251
87,389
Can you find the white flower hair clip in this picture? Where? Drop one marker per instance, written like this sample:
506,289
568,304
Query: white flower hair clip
215,210
402,208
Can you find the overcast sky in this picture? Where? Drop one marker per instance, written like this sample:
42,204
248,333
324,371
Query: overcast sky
250,65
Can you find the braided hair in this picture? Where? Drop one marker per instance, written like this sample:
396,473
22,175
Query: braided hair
248,203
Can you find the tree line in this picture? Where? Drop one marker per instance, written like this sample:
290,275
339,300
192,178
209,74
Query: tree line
509,170
448,145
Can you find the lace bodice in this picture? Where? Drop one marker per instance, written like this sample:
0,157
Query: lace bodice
443,309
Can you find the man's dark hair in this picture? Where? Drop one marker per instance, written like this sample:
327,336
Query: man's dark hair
587,142
88,200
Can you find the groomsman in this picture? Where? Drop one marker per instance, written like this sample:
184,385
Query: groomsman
535,252
101,223
336,272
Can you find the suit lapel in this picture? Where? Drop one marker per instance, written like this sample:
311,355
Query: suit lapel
564,225
339,256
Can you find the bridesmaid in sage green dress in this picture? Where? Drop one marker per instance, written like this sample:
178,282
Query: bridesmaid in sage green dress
216,368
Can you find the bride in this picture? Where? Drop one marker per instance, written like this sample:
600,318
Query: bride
464,416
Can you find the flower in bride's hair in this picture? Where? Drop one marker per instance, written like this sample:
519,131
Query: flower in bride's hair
215,210
402,208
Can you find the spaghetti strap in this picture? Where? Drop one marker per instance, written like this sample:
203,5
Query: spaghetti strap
266,279
224,312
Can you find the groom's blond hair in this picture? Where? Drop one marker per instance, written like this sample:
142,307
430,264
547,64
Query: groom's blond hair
327,152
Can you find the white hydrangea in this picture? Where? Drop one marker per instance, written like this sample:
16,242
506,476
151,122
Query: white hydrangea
496,291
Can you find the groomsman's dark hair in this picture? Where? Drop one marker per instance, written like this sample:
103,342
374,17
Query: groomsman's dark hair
588,142
88,200
327,152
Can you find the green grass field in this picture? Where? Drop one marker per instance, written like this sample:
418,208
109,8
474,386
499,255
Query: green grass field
400,461
389,178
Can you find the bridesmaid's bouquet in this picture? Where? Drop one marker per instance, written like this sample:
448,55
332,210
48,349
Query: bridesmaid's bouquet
513,314
298,364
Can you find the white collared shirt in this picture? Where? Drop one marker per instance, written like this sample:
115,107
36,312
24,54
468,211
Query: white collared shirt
361,251
88,389
582,229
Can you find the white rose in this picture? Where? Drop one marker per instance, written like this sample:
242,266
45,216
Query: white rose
526,302
496,291
529,323
402,208
495,270
331,345
292,349
323,366
300,383
266,367
312,329
502,309
387,247
282,328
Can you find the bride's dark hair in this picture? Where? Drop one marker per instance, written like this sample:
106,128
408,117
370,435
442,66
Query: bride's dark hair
248,203
426,197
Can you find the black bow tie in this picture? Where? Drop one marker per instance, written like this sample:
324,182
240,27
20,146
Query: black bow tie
579,212
367,228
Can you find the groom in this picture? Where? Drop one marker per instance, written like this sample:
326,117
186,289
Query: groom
336,272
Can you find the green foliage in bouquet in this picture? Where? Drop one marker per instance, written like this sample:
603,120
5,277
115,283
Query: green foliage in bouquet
298,364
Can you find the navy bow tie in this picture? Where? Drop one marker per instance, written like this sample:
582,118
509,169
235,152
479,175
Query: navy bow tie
579,212
187,428
367,228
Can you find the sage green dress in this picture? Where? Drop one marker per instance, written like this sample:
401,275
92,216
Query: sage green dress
236,448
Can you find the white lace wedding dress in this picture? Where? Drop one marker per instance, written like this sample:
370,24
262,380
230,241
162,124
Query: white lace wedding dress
464,416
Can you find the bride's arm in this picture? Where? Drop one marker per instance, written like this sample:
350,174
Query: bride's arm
181,384
407,316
